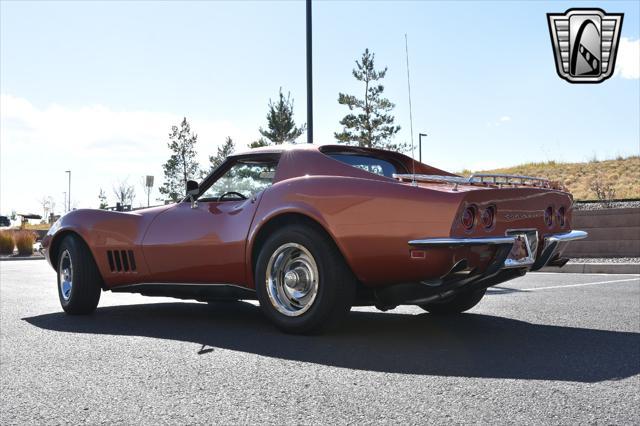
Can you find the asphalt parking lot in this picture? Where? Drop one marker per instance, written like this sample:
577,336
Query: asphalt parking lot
546,348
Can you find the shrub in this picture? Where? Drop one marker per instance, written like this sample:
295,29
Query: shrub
6,242
24,242
604,190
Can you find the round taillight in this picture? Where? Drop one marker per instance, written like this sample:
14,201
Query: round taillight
561,216
548,216
468,218
488,217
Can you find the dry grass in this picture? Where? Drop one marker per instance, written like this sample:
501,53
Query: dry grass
38,226
622,174
6,242
24,242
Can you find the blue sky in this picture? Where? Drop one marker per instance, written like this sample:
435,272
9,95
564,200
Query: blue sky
95,86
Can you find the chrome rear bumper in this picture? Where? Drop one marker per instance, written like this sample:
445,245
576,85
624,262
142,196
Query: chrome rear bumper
467,277
553,245
569,236
439,242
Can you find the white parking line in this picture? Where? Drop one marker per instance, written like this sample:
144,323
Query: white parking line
575,273
582,284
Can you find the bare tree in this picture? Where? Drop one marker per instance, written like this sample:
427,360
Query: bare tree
124,193
52,205
604,190
48,206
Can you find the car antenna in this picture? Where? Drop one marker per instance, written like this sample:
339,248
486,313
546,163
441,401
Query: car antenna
413,160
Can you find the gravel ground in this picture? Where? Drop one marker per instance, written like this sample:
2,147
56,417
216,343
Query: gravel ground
605,260
543,349
604,206
10,257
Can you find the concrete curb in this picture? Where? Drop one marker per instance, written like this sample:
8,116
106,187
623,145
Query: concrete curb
14,258
596,268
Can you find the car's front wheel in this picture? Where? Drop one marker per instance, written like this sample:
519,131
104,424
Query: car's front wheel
78,277
302,282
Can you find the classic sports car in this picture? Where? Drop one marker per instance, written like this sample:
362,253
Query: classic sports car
310,231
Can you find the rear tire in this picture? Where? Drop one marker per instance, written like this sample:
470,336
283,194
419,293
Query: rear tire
457,304
302,281
79,281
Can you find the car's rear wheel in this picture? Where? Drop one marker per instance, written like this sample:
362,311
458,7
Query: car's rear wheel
78,277
456,304
302,281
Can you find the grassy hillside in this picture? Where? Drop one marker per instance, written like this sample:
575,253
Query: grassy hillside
622,175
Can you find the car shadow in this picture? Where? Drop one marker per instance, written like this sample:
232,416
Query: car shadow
468,345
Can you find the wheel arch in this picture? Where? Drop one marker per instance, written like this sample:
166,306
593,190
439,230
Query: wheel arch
54,249
278,221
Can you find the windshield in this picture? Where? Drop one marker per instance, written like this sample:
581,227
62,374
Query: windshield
243,180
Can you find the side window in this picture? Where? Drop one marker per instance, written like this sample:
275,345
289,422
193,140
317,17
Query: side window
245,177
370,164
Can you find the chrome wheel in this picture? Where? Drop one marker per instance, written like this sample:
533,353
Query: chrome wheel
65,271
292,279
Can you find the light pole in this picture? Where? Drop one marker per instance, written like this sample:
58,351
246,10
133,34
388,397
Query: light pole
65,201
309,81
69,190
420,145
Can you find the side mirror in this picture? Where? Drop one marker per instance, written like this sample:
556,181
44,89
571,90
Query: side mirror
192,191
192,188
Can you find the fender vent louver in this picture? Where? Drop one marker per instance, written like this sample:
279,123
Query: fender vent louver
132,261
121,260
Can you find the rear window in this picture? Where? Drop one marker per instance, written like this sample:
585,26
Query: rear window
367,163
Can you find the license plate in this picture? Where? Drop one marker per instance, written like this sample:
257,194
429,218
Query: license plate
520,254
519,249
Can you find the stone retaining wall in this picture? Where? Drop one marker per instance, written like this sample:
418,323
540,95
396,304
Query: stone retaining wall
612,233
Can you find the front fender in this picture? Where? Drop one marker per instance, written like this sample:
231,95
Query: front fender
104,231
76,222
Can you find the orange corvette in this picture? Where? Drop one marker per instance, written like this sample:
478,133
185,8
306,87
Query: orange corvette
310,231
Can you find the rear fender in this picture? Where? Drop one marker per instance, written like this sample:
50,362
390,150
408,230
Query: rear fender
370,221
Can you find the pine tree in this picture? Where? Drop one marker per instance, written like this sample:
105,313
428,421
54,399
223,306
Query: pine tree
182,164
373,125
224,151
281,128
259,143
103,200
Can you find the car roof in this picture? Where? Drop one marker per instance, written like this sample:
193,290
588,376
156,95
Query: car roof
329,148
393,156
276,149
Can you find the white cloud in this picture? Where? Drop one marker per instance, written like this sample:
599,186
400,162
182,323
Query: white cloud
501,120
628,61
99,144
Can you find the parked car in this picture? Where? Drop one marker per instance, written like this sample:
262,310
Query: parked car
310,231
4,221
